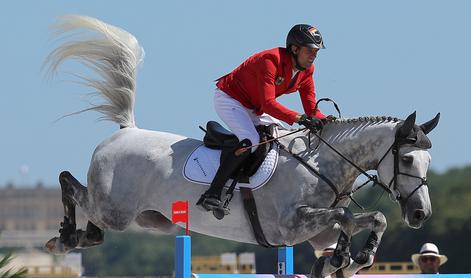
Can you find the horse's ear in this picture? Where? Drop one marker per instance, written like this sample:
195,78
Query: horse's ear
407,126
430,125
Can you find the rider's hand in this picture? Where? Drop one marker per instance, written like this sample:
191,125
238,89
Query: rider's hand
312,124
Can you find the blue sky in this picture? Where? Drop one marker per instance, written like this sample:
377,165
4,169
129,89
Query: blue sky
382,58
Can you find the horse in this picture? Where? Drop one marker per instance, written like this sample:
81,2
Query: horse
135,174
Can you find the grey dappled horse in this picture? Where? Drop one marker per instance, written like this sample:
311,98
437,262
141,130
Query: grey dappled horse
136,174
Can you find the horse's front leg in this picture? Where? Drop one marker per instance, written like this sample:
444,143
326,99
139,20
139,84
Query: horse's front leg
376,222
309,221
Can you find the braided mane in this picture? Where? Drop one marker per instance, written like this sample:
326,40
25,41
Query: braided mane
364,119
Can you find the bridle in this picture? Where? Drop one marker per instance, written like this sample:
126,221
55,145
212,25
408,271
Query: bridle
393,183
390,188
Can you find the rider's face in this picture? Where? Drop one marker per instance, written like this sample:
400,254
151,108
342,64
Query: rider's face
306,55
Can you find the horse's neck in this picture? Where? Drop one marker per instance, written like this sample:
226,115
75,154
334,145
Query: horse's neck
363,142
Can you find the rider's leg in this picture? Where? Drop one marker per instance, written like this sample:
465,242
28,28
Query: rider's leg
240,120
212,197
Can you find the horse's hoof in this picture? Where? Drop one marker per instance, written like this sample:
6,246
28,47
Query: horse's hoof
55,246
69,239
362,257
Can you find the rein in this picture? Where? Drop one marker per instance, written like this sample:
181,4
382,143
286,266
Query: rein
339,196
241,150
394,148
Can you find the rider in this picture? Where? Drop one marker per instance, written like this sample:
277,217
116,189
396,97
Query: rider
246,97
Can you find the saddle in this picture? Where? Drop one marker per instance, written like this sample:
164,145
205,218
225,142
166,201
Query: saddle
219,138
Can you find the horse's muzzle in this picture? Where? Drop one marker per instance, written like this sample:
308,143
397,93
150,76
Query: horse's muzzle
418,218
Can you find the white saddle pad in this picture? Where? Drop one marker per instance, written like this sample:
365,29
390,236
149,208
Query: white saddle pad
202,164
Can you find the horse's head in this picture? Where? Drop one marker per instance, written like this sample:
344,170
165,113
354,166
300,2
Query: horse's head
404,167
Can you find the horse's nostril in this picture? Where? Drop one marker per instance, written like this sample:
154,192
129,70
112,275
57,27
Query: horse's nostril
419,215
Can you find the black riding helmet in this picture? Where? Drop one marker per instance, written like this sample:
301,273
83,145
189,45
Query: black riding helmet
304,35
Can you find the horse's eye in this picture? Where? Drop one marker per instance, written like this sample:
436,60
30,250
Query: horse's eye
407,159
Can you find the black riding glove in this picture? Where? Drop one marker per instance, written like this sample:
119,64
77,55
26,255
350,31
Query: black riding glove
312,124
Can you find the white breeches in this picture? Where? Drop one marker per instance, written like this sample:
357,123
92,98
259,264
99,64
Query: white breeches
239,119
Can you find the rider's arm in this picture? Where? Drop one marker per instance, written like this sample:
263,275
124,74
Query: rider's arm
308,95
266,93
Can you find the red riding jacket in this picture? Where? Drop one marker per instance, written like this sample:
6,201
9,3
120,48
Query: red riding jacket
266,75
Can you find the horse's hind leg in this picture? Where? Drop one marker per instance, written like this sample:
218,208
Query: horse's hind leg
68,232
73,193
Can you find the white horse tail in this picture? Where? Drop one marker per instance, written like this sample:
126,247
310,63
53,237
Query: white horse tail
110,52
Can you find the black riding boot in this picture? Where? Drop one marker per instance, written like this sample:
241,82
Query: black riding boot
211,199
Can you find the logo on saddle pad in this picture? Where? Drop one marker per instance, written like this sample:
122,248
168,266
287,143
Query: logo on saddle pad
202,164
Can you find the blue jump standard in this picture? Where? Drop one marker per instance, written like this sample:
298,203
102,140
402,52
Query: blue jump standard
285,260
183,257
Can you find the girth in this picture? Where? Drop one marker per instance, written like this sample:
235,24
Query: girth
251,209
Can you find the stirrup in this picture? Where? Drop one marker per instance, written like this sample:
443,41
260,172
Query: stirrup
223,208
209,202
